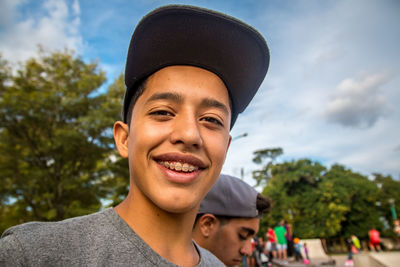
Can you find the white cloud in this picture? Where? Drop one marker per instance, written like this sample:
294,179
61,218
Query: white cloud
56,28
76,8
7,11
358,102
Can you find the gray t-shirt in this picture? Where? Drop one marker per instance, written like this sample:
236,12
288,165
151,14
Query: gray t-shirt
99,239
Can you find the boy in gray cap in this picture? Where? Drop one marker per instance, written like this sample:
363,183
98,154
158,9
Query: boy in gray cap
228,218
189,73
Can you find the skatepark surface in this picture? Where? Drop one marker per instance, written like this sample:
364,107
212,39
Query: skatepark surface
318,257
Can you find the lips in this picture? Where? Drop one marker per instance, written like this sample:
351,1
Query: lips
237,261
181,158
180,168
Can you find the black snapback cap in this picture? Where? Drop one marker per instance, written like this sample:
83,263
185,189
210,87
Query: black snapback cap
188,35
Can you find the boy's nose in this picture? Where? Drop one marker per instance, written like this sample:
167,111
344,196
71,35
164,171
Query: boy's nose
246,248
186,131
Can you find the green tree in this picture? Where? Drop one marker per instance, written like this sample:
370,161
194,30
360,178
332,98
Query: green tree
321,203
266,156
114,169
359,195
293,189
55,138
389,191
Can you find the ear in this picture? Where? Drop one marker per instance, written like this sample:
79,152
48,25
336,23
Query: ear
208,224
229,142
121,137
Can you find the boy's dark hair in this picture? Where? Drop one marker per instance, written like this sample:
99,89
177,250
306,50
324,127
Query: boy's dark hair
138,92
263,204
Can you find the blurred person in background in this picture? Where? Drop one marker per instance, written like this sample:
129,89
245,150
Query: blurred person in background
280,233
374,240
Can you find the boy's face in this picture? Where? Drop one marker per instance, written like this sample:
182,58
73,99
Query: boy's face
178,137
231,241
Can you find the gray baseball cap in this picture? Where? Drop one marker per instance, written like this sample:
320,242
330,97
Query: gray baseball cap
231,197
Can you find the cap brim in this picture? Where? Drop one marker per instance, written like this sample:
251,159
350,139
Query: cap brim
186,35
232,197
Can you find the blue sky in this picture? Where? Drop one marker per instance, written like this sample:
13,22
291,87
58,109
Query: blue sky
332,92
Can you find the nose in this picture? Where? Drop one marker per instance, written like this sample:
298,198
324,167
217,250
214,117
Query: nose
246,248
186,131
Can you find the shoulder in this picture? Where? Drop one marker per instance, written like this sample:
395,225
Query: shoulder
40,241
37,231
208,259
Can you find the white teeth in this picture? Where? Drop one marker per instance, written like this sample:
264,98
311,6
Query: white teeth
178,166
185,167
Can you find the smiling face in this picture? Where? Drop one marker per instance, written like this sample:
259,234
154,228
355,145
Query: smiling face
178,137
232,240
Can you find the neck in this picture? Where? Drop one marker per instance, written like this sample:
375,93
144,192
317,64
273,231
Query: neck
169,234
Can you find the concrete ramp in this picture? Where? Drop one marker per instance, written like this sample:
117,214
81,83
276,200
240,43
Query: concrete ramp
389,259
377,259
315,249
365,260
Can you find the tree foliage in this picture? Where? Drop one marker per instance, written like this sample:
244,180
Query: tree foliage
325,203
389,190
55,138
261,156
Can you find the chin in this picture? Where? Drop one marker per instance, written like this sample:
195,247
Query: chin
183,204
177,209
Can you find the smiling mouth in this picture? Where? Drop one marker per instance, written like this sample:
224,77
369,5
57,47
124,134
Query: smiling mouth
179,166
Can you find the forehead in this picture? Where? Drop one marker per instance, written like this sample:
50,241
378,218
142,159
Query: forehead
244,224
188,79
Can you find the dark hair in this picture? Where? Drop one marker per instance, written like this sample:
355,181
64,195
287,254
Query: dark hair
263,204
141,86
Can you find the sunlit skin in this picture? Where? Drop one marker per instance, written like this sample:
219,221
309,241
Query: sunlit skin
230,241
182,116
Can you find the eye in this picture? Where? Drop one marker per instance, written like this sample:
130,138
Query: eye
213,120
241,237
161,113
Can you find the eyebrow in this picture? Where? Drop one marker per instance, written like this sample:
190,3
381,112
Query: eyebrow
166,96
207,102
212,103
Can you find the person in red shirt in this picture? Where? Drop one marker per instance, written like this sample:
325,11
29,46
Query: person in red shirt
374,239
271,242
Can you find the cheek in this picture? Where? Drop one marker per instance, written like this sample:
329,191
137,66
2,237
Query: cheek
217,147
145,136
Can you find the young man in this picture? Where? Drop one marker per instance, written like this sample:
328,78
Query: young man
280,233
271,243
189,73
228,219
